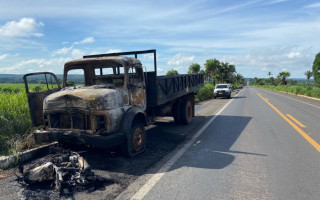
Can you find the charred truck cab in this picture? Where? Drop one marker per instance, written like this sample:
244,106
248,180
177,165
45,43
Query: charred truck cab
115,103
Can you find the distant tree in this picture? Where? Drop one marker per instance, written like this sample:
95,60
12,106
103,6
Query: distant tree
203,72
239,78
172,72
230,73
308,75
283,77
194,68
70,83
212,68
316,68
269,74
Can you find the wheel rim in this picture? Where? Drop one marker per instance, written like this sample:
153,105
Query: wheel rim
138,139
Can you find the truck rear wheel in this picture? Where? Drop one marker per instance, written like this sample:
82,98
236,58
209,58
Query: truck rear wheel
176,112
186,112
136,140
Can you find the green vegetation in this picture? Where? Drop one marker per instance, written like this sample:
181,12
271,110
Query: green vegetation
316,69
194,68
205,93
15,119
215,72
308,75
172,72
301,90
281,84
283,77
220,72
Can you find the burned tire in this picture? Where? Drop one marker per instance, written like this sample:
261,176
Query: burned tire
186,112
136,140
176,112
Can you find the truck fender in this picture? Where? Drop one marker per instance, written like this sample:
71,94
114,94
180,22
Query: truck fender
131,115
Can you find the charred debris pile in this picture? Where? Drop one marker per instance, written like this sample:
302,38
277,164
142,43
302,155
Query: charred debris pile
65,172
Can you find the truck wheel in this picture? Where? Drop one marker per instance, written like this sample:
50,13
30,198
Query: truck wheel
176,112
186,112
136,140
229,96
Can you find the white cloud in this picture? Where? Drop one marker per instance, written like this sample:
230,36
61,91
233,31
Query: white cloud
180,62
149,56
292,58
265,69
85,41
294,54
180,59
3,56
77,53
36,65
62,51
113,50
25,27
314,5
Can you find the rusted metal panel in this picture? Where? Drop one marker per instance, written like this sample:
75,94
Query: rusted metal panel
173,87
35,99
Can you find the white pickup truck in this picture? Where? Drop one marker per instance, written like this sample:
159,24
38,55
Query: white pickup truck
222,90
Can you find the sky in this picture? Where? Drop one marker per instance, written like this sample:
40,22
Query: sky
257,36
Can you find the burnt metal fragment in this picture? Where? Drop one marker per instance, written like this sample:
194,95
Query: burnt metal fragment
66,171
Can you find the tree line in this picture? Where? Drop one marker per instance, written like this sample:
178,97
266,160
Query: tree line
282,78
215,72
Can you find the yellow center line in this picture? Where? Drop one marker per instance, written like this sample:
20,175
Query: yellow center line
296,121
302,133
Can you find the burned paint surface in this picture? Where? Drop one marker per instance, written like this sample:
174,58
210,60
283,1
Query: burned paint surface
138,96
86,97
96,109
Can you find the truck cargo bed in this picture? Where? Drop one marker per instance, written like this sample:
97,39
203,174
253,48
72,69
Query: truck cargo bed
162,89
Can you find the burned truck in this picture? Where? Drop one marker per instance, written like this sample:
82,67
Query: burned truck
113,105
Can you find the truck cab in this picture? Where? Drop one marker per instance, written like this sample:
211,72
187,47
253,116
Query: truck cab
112,87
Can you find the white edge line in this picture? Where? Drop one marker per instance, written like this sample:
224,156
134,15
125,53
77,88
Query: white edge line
156,177
275,92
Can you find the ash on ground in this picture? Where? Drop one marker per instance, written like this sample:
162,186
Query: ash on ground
59,175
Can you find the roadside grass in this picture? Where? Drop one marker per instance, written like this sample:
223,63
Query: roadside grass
205,93
15,121
310,91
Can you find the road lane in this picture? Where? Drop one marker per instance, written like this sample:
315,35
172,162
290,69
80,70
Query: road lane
302,133
306,114
249,152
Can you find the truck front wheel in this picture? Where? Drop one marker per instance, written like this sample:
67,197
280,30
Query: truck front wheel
136,140
186,111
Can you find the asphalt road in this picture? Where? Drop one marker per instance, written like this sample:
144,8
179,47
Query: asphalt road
261,146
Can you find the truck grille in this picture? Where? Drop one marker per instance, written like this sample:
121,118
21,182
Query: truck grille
70,121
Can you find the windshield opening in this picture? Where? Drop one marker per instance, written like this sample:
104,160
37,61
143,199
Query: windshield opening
75,77
221,86
109,73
